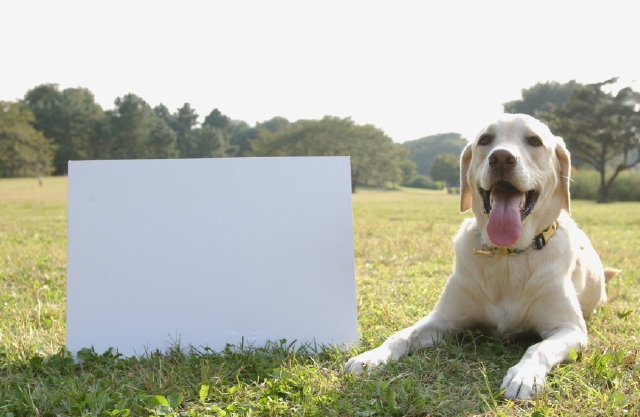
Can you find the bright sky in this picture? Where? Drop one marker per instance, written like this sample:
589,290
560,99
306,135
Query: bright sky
411,68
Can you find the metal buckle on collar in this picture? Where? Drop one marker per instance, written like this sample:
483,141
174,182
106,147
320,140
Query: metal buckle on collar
539,241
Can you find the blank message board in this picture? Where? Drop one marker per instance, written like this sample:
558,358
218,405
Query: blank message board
206,252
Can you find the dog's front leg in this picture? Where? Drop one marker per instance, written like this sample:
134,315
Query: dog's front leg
425,332
527,377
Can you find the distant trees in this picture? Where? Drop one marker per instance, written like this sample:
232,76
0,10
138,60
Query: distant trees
274,125
24,151
241,137
137,132
80,129
75,127
72,118
214,137
600,128
210,140
446,167
541,97
182,124
424,150
375,159
50,127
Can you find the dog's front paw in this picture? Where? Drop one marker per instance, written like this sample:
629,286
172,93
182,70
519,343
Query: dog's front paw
523,381
367,361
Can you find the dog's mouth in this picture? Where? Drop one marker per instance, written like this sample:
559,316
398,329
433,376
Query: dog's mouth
507,207
503,189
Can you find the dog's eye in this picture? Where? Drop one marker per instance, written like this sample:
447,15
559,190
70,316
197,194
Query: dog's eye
485,140
534,141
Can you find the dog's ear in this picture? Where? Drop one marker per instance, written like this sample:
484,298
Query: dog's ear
565,172
466,195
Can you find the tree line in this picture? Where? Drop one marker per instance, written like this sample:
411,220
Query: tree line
49,127
80,129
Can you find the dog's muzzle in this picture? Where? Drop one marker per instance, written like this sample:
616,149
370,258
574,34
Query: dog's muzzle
505,202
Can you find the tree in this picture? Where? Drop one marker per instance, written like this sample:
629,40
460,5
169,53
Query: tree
274,125
213,138
182,124
423,150
137,132
601,129
211,142
163,113
217,119
446,167
375,159
73,119
241,138
24,151
541,97
408,169
243,135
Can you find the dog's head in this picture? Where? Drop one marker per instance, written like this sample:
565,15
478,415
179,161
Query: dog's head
515,178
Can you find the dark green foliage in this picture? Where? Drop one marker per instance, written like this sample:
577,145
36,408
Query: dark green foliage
424,150
422,181
163,113
136,131
243,135
217,120
241,138
541,97
274,125
375,159
182,124
74,121
408,168
446,167
80,129
24,151
211,140
214,137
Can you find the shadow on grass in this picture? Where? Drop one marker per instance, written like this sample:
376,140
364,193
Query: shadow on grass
277,379
461,376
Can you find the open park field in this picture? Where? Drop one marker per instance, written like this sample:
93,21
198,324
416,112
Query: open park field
403,256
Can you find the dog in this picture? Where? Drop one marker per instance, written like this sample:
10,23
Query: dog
522,265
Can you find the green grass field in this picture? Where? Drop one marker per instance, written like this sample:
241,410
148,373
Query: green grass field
403,257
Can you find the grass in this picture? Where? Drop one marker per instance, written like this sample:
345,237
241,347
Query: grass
403,257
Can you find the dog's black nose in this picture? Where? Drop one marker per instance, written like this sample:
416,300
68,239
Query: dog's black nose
502,158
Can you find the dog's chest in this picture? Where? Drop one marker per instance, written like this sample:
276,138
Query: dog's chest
509,290
509,318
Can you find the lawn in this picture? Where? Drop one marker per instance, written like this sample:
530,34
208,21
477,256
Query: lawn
403,256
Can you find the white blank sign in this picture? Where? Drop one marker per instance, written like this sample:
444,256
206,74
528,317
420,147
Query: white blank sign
206,252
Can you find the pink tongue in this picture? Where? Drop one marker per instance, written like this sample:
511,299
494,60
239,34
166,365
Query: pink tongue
504,220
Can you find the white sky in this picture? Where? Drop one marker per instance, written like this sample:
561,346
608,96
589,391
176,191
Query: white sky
410,68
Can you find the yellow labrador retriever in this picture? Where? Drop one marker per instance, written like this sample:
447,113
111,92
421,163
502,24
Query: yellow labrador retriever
522,265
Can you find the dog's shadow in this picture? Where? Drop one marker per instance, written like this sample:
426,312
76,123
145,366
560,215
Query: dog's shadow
454,377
